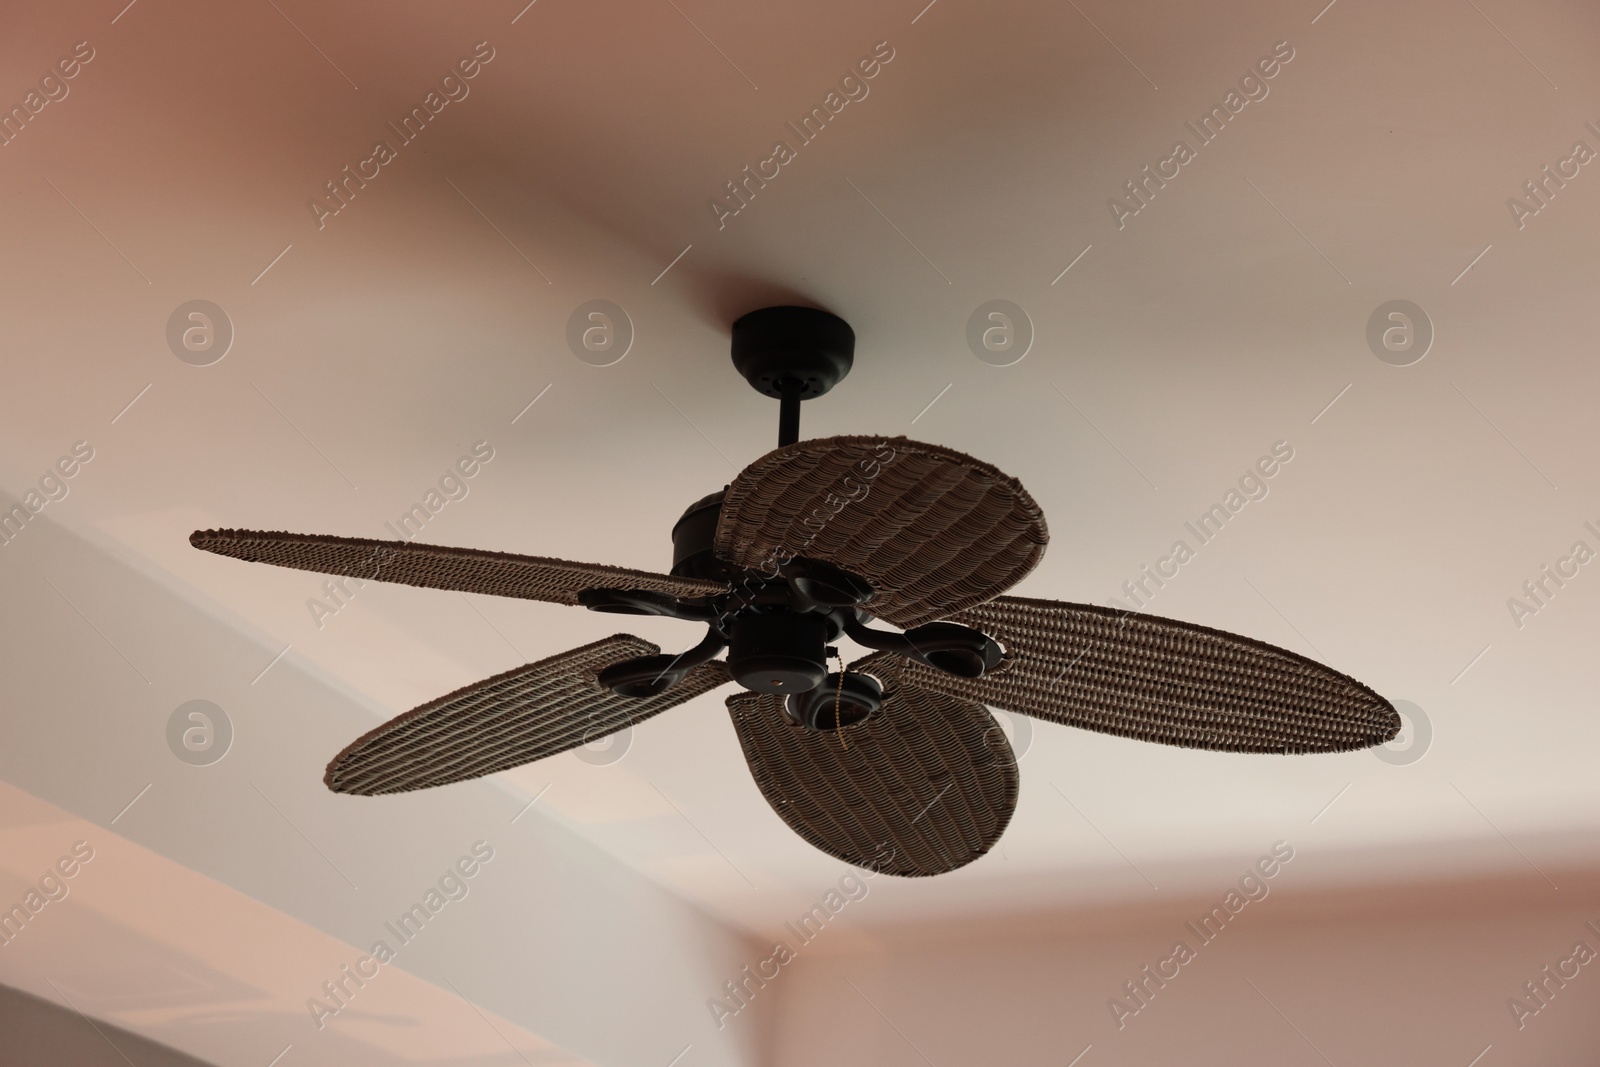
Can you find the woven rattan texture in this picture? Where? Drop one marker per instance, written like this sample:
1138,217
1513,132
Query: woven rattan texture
1155,679
932,530
513,718
923,786
466,569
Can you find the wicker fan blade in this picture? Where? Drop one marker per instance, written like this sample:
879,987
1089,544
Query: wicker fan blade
513,718
1154,679
932,530
923,786
466,569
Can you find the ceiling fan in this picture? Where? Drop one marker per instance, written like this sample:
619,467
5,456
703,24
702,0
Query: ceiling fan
893,762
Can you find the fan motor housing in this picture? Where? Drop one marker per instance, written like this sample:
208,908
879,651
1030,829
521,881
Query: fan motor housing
692,538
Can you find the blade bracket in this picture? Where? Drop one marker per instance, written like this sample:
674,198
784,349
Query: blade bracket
945,646
648,676
644,602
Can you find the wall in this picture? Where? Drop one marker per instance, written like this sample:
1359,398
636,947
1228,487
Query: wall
1403,975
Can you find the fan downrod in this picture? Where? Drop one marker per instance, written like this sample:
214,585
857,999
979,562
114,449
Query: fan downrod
793,354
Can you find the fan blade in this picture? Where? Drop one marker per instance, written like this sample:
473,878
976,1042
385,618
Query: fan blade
514,718
932,530
1154,679
465,569
922,786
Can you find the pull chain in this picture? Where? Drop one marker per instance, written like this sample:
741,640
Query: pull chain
838,699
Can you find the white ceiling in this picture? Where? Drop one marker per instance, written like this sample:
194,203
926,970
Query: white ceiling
1223,318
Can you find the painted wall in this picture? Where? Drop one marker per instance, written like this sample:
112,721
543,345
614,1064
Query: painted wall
1415,975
